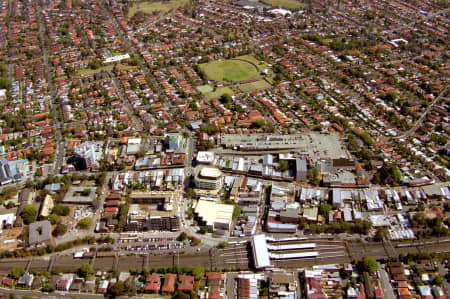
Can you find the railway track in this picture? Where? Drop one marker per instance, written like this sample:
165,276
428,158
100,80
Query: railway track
233,257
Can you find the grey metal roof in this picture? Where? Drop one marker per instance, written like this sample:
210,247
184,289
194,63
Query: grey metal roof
36,235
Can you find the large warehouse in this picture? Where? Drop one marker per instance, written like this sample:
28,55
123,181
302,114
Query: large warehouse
208,178
215,215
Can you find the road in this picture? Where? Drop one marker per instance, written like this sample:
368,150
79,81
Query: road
419,122
189,154
427,17
53,102
132,49
137,121
230,284
442,272
386,285
38,294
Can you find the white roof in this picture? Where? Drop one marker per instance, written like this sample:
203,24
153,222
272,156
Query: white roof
212,212
116,58
205,157
291,246
134,140
103,284
47,206
425,290
293,255
260,251
379,220
210,172
7,219
280,11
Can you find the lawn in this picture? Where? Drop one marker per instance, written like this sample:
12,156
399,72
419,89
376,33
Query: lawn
286,4
106,68
249,87
205,88
219,91
261,66
229,70
149,7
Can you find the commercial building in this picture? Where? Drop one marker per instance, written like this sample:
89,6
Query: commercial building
209,178
318,145
5,172
214,215
87,155
12,171
302,170
205,157
174,142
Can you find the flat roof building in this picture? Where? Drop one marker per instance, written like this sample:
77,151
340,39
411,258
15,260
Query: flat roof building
210,178
261,257
302,170
40,232
215,215
47,206
80,195
205,157
318,145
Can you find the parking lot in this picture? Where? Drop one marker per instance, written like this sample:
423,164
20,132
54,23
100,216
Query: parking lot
150,244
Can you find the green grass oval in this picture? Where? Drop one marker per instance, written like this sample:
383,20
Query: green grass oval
230,70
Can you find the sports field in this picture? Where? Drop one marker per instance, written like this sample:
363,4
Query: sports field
286,4
261,65
229,70
149,7
249,87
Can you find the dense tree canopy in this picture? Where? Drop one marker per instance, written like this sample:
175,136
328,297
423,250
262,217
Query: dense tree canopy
85,223
29,213
85,270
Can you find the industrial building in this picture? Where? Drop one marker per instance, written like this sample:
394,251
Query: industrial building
214,215
210,178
